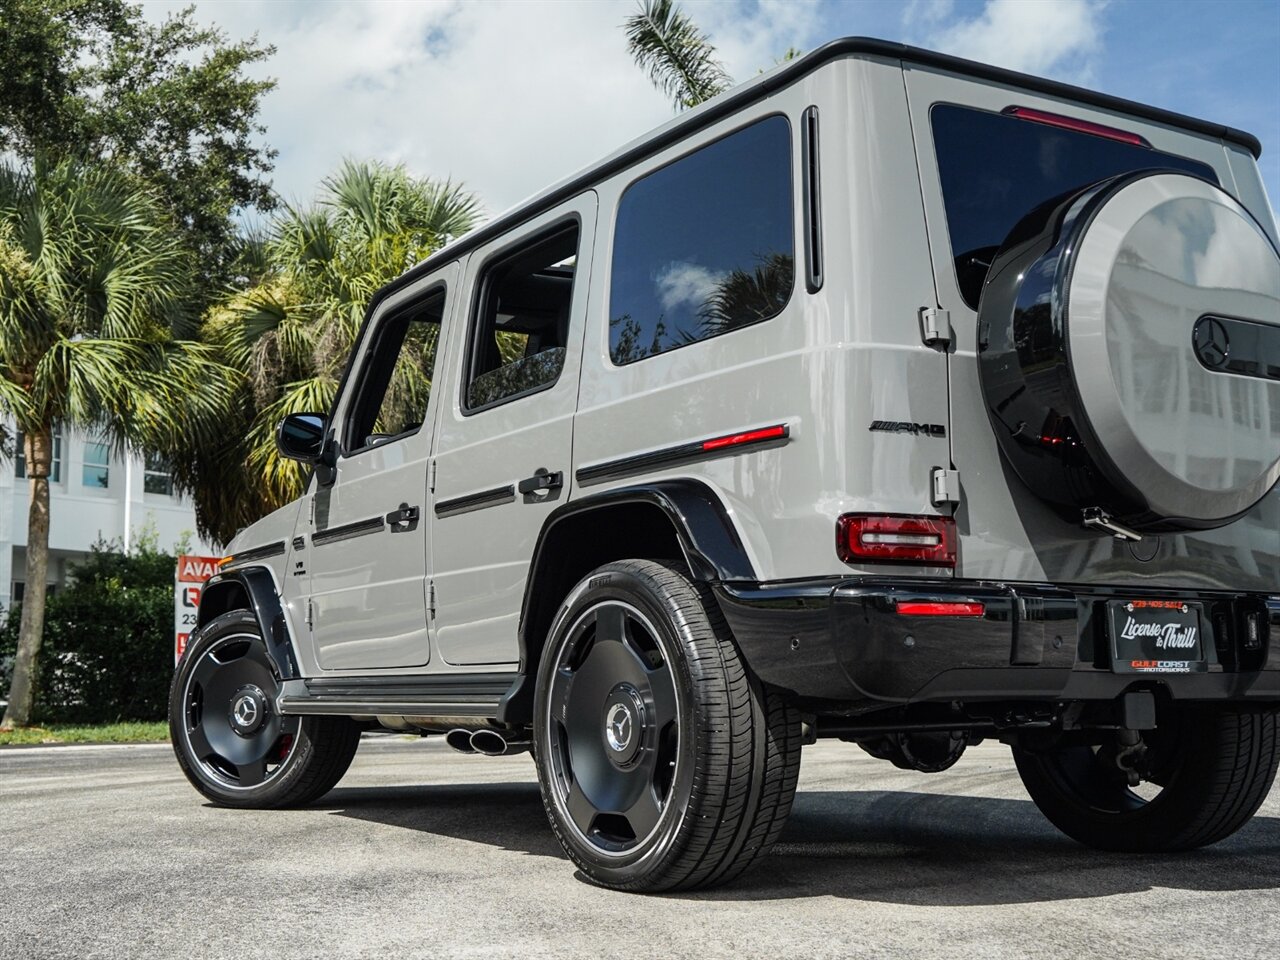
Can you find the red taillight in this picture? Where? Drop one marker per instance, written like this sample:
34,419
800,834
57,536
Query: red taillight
1079,126
932,608
749,436
895,539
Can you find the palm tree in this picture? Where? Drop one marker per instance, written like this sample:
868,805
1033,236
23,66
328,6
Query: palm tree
292,330
92,284
680,60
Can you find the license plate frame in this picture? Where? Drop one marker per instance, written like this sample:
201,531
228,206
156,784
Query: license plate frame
1156,636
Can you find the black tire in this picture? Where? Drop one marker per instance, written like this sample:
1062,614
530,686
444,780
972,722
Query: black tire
711,759
1214,767
268,760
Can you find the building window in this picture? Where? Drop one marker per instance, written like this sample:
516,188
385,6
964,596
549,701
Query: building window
157,477
704,246
97,466
55,465
18,589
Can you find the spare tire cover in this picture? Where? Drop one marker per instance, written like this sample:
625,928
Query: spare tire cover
1130,352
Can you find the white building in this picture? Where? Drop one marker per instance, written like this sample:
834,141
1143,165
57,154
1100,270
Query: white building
94,495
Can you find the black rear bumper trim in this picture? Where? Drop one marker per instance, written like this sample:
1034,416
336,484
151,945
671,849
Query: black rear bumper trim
840,646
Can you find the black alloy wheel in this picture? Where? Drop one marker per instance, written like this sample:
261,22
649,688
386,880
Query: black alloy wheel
613,728
1204,771
231,741
230,724
663,763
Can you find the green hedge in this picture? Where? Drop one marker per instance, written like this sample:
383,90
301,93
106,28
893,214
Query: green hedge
108,641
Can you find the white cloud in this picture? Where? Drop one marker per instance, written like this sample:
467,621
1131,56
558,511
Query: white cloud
508,96
685,284
751,38
927,12
1044,37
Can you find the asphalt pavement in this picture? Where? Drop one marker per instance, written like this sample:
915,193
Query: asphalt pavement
421,852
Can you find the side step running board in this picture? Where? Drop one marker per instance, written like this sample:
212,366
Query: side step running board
473,695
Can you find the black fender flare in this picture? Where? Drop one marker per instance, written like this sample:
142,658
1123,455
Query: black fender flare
704,530
254,588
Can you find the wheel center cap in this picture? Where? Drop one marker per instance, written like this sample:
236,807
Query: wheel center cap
619,726
248,710
623,723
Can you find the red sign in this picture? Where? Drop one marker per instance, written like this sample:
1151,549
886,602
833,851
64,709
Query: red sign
189,579
196,569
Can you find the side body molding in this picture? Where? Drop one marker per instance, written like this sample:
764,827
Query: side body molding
255,589
613,525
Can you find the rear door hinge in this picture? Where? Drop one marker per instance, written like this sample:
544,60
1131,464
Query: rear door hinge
431,475
945,486
431,599
935,326
311,614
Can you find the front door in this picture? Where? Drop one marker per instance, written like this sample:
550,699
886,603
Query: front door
505,438
367,552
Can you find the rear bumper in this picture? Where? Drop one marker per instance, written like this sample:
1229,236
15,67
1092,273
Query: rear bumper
840,645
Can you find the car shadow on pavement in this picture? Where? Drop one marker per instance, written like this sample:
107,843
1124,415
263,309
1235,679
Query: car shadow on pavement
929,849
506,815
922,849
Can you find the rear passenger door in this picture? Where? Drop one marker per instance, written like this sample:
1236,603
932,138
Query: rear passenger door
504,449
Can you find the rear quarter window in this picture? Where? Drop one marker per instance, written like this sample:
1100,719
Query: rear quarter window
704,245
995,169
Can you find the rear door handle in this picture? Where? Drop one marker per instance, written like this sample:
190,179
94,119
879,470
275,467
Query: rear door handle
542,479
402,518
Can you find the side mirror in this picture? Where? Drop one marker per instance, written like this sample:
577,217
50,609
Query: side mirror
300,436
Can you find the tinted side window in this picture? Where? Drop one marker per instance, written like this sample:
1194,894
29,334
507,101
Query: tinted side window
996,168
395,380
521,326
704,245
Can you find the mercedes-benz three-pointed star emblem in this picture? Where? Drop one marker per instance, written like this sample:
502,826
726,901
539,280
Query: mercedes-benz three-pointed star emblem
1211,342
619,727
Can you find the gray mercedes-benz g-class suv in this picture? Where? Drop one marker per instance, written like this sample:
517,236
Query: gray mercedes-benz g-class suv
889,397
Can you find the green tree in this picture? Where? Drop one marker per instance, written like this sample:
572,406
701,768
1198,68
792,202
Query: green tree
293,329
93,79
107,652
90,283
679,59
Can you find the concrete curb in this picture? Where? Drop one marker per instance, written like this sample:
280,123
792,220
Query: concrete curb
38,747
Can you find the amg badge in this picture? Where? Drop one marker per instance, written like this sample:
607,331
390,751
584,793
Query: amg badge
905,426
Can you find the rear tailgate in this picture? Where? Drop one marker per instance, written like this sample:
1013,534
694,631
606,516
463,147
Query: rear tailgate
993,173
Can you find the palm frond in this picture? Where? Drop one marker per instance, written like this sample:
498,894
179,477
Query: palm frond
447,210
292,332
679,59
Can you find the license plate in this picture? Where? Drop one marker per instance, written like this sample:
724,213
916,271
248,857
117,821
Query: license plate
1156,636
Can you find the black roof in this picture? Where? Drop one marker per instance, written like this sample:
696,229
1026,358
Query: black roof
758,89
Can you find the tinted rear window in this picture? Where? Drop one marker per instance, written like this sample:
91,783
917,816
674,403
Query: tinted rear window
704,246
995,169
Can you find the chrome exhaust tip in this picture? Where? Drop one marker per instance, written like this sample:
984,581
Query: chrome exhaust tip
491,743
460,740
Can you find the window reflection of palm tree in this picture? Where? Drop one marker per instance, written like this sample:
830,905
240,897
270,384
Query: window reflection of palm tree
742,298
739,299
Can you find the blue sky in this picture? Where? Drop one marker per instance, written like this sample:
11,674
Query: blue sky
512,95
1214,59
